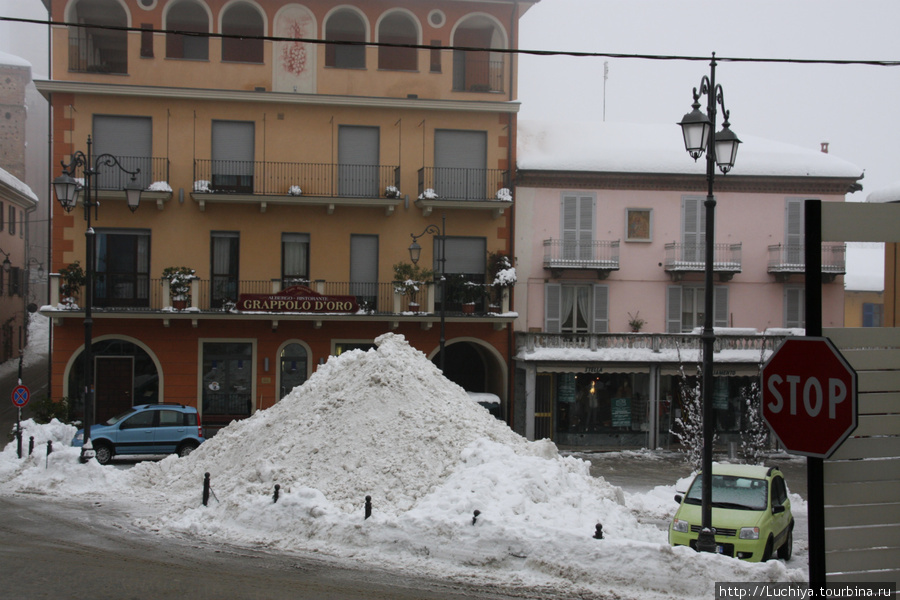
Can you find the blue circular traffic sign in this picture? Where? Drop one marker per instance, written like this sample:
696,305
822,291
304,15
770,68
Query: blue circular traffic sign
20,395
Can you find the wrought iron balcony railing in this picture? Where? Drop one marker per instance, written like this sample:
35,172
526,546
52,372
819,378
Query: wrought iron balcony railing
692,257
602,255
474,73
298,179
152,169
787,259
447,183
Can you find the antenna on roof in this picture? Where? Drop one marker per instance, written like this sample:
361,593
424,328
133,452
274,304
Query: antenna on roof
605,77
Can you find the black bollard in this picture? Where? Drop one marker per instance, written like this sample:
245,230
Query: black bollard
19,440
475,516
598,532
275,496
49,447
368,506
30,445
205,489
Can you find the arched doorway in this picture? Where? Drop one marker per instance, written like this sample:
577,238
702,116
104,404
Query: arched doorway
477,368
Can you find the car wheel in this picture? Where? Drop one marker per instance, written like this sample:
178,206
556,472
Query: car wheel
787,549
186,449
103,453
767,553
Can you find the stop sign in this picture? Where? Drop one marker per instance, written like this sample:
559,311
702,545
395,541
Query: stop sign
809,396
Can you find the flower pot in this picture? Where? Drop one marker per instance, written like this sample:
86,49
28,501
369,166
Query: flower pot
179,304
468,308
413,307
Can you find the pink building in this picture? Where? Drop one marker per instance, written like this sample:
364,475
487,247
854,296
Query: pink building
610,240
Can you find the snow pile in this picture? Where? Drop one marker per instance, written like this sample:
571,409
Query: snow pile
455,493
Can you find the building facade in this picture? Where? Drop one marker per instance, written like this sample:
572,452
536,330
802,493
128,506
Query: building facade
610,250
291,177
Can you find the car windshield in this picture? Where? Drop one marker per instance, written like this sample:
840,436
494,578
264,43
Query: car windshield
118,418
731,491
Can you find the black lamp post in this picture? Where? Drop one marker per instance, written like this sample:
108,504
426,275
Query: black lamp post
696,127
67,189
415,251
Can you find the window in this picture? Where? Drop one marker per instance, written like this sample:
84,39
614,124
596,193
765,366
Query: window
364,270
577,230
96,50
685,308
123,268
1,216
242,19
12,220
232,156
693,229
398,28
345,25
225,247
130,140
294,259
466,259
460,160
873,315
146,40
435,56
15,281
140,420
793,231
188,16
794,307
358,161
576,308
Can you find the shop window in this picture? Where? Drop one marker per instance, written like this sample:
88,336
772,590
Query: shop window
603,404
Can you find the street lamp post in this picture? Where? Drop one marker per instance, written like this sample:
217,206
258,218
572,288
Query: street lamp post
696,128
67,189
415,251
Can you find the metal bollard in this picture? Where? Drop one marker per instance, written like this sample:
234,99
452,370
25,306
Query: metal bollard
368,506
275,496
49,447
475,516
205,489
30,445
598,532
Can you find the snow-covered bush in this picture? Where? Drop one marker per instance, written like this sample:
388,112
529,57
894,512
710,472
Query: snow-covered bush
159,186
391,192
202,185
504,194
295,191
429,194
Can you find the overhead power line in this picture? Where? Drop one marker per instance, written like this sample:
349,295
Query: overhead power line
272,38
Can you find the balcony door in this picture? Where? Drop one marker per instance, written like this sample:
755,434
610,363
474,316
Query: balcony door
460,161
225,249
232,156
577,227
358,161
122,268
693,229
130,140
364,270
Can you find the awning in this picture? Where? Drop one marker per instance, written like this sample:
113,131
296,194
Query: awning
595,368
719,370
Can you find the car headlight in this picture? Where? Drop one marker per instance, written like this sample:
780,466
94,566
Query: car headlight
680,525
749,533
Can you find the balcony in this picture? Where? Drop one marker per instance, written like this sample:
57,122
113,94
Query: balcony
141,297
790,259
691,258
299,184
599,255
93,50
474,73
449,188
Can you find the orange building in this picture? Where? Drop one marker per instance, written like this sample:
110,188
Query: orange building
291,177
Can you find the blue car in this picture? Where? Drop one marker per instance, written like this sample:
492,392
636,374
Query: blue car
146,429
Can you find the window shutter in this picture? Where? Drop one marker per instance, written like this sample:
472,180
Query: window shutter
673,309
793,307
460,160
793,231
130,140
364,266
233,141
358,157
601,309
585,227
693,228
552,306
464,255
720,306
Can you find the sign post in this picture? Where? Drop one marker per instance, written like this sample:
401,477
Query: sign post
20,396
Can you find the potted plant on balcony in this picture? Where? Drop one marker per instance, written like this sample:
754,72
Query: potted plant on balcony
392,191
408,280
179,280
467,293
635,322
71,279
502,277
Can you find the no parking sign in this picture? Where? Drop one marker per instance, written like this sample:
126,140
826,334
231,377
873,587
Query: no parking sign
20,395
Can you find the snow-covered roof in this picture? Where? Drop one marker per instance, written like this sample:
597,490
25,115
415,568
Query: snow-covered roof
889,193
10,181
641,148
13,60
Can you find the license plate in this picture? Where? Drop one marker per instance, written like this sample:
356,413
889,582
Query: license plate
720,549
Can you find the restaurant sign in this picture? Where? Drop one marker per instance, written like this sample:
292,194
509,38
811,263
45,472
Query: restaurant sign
297,299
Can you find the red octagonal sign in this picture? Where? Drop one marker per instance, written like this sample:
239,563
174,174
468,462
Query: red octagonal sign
809,396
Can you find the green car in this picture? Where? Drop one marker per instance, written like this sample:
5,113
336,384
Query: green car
751,513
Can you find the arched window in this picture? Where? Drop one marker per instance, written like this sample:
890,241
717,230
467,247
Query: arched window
188,16
478,71
242,19
397,28
93,50
345,25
